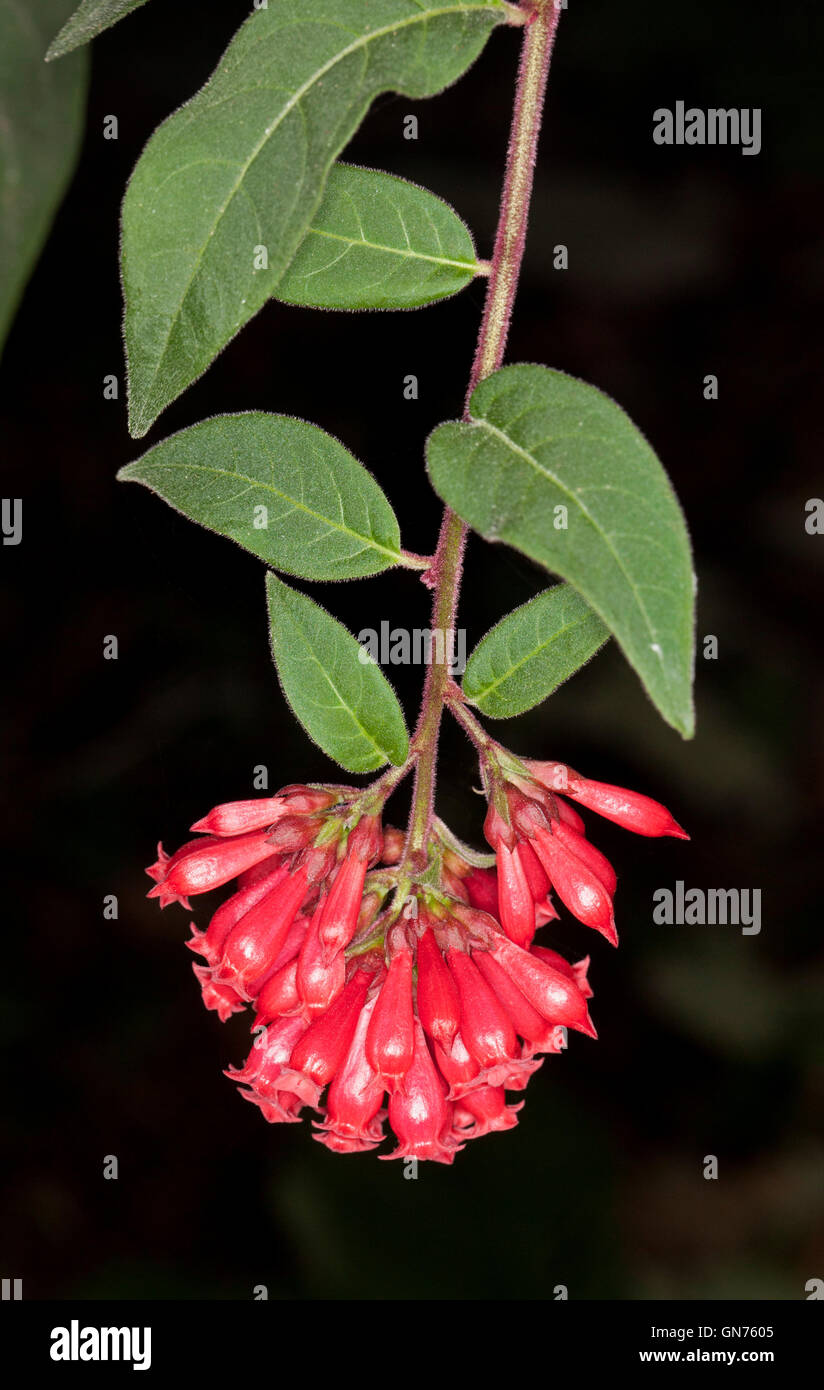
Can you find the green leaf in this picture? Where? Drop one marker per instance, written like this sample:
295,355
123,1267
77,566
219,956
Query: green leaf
341,697
41,124
280,487
379,242
240,169
538,441
89,19
531,651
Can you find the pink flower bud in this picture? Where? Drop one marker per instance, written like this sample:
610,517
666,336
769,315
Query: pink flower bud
211,864
354,1119
629,809
393,843
419,1112
577,886
321,1049
390,1042
553,994
252,945
515,897
439,1005
486,1027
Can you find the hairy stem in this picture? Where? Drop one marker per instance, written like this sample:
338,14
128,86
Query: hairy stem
539,35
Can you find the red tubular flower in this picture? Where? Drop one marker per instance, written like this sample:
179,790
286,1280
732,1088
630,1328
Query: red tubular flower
592,857
265,1064
419,1112
321,973
354,1119
339,919
390,1042
321,1049
515,896
211,864
211,942
252,946
279,995
629,809
553,994
439,1005
159,871
483,1111
576,884
239,817
486,1027
537,1033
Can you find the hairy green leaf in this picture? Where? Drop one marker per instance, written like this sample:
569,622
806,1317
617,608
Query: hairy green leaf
226,189
531,651
41,123
280,487
88,20
557,470
341,697
378,242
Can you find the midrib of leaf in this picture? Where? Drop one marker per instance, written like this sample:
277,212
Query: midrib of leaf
361,42
368,543
547,473
342,703
390,250
493,685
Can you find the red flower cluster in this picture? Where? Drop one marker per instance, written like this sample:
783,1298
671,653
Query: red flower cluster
427,1012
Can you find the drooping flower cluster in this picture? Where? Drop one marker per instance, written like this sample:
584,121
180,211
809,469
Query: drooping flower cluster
379,994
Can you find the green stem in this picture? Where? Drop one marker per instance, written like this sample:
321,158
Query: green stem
539,35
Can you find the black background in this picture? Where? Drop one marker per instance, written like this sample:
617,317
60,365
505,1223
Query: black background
683,262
